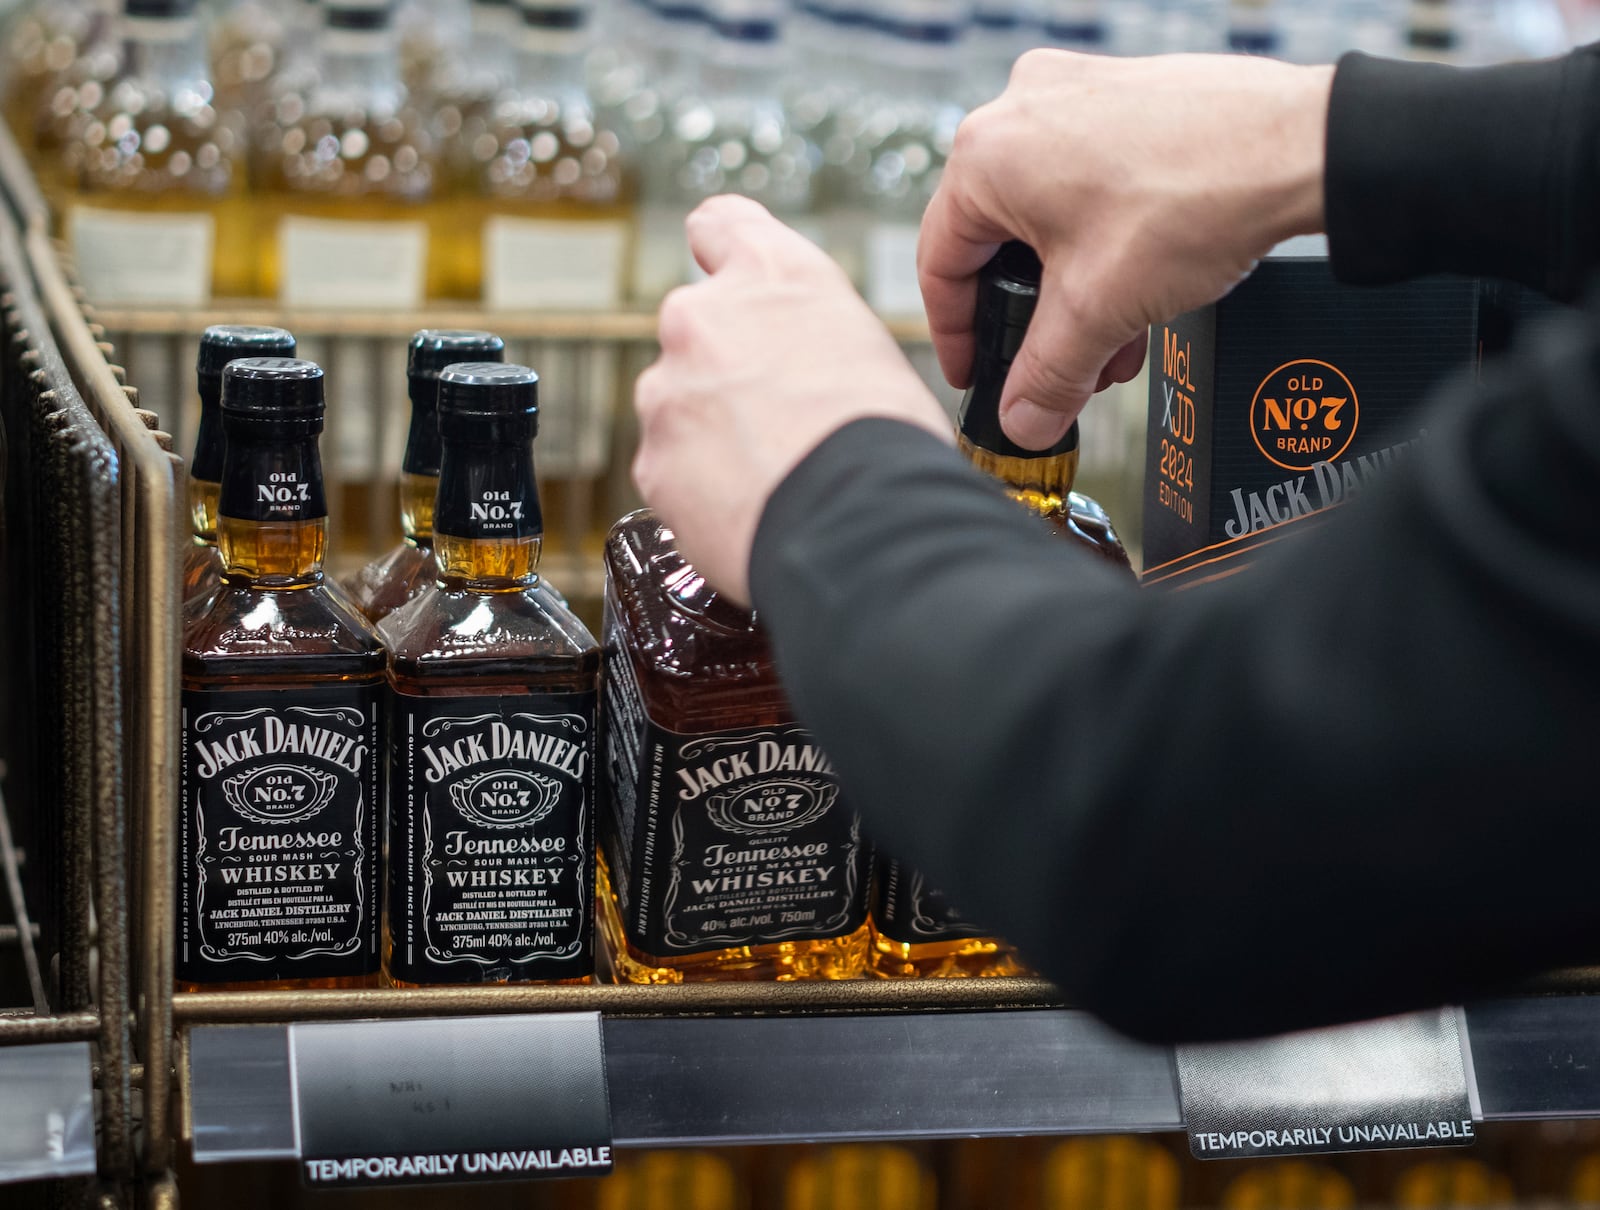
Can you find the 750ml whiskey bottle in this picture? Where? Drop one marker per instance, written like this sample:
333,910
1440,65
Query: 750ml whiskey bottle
492,747
914,932
391,580
727,851
278,839
221,343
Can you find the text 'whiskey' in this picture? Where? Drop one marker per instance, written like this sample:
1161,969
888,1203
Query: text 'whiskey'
392,579
220,344
492,743
279,833
727,849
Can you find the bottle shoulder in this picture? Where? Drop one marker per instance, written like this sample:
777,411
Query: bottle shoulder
445,631
279,633
391,580
681,633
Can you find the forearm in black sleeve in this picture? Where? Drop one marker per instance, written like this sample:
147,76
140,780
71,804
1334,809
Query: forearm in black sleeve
1491,171
1356,778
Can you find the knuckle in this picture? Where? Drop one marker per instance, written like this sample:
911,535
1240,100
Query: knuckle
677,319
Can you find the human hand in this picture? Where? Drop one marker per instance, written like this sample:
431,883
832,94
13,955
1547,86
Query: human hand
759,363
1147,186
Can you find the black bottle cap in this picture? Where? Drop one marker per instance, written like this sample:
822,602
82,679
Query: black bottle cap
432,349
489,400
158,9
279,396
222,343
554,14
358,14
1008,295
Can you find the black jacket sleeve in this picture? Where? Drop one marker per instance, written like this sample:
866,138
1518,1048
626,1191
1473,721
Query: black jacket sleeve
1356,779
1491,171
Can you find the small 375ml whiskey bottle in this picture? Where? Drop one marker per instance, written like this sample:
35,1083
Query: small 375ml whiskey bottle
278,839
221,343
391,580
728,852
915,933
492,746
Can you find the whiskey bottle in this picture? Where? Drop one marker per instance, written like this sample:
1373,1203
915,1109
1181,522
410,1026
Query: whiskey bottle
391,580
1040,480
545,193
220,344
278,837
152,172
492,745
349,175
726,849
914,931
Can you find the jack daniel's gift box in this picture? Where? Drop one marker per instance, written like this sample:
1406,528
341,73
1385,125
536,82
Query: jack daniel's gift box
1283,400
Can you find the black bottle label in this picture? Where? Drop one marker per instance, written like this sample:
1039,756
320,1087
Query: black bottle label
725,839
273,481
278,842
491,839
906,909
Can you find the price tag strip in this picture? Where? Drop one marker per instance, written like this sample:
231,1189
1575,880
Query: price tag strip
446,1100
46,1112
1379,1085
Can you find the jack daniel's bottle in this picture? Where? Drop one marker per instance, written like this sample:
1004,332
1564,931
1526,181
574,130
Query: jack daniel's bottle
492,744
391,580
914,931
221,343
727,852
278,840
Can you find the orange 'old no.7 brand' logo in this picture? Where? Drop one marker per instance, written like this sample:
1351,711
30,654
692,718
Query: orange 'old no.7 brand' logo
1304,412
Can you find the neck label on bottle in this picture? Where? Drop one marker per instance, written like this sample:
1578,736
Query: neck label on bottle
272,481
906,909
727,838
486,495
278,838
491,844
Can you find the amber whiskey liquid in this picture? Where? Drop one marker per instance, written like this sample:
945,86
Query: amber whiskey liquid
727,852
279,832
494,692
220,344
393,578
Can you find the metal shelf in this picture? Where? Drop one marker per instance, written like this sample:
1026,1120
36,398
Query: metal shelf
678,1080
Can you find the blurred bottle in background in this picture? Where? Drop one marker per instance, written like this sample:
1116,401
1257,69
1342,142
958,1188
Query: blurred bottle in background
468,82
544,191
247,42
349,176
727,133
41,44
151,186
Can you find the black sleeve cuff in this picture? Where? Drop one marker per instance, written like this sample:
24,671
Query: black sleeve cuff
1487,171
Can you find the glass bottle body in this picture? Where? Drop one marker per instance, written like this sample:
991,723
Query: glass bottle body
273,639
490,643
691,677
351,149
150,145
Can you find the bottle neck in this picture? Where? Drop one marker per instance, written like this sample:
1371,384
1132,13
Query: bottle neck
205,471
358,69
1041,485
488,531
272,524
168,50
550,63
419,468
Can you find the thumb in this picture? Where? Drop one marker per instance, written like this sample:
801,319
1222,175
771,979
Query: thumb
1056,369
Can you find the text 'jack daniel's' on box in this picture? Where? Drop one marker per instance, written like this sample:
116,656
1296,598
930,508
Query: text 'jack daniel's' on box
1285,399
